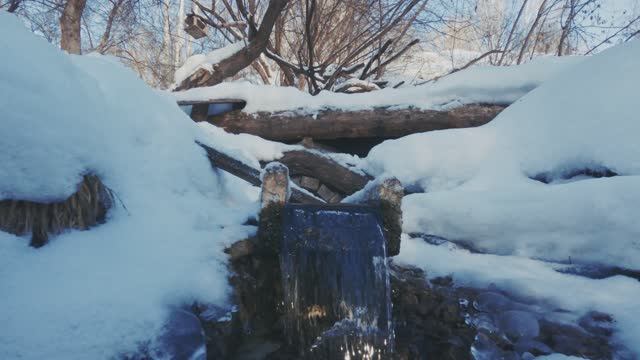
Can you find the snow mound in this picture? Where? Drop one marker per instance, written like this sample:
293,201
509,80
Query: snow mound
479,181
480,84
524,187
95,294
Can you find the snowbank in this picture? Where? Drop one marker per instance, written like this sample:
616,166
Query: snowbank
480,191
478,180
93,294
593,221
481,84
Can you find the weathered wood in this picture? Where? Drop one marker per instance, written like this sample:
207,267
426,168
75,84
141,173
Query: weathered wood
240,102
249,174
309,183
275,185
387,196
324,169
195,26
232,166
335,124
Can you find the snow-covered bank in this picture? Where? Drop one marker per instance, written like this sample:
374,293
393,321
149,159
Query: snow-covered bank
535,280
478,180
93,294
481,84
480,189
592,221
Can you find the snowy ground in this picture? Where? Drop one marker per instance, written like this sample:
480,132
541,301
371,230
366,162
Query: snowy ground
479,191
97,293
93,294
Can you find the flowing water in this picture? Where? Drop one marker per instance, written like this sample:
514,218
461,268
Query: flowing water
336,282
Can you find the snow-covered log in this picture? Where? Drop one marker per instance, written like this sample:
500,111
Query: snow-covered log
340,124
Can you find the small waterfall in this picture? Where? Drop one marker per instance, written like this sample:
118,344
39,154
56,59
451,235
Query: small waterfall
336,282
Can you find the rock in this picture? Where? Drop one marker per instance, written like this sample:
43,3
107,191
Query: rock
518,324
527,356
182,337
428,320
240,249
533,347
442,280
597,323
485,349
493,302
484,321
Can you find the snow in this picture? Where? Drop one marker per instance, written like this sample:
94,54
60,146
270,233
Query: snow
478,179
205,61
535,279
479,192
480,84
250,149
98,293
590,221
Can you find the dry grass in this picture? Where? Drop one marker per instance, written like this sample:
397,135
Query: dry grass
85,208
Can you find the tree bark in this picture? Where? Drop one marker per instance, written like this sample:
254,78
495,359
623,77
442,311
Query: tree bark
339,124
70,39
13,5
243,58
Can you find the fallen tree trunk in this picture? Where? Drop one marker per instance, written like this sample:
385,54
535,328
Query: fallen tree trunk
249,174
340,124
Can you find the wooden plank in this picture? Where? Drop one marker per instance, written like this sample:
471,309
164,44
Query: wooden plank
326,170
336,124
249,174
211,101
232,166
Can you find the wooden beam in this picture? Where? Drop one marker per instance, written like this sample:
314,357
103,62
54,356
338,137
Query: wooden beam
212,101
340,124
249,174
326,170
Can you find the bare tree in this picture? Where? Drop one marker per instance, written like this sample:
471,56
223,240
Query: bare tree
70,26
257,42
12,5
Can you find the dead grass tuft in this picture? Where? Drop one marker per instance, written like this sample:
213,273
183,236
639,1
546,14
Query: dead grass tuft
87,207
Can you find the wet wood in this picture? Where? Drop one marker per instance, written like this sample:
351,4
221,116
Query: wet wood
249,174
275,185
